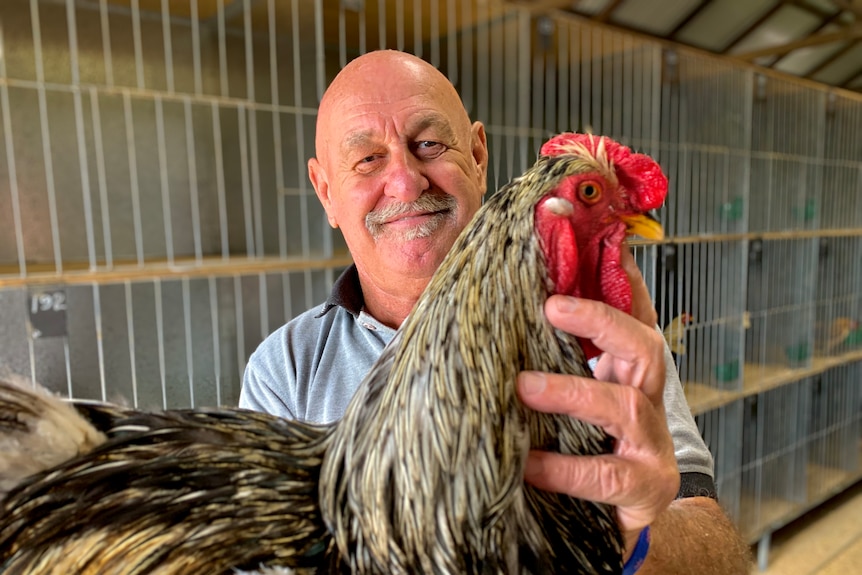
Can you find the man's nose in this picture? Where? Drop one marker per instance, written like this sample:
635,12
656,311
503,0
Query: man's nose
405,177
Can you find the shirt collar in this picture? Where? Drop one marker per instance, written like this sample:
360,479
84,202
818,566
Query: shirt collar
346,292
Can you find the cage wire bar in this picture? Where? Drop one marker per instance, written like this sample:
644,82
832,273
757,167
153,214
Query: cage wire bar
156,219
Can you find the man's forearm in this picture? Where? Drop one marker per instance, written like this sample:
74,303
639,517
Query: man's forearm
694,535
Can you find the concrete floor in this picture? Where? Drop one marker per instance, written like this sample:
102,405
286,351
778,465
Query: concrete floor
825,541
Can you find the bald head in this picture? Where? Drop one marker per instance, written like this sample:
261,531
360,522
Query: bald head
372,79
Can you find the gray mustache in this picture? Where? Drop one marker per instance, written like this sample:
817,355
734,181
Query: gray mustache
427,202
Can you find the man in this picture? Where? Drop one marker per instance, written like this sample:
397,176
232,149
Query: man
401,170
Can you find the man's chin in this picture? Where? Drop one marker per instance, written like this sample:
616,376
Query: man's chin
424,253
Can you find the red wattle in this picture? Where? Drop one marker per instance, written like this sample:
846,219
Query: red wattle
613,281
561,252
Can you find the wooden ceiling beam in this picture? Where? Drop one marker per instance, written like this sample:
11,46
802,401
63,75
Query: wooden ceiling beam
848,34
815,10
823,24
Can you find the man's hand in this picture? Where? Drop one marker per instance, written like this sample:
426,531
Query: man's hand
691,535
640,477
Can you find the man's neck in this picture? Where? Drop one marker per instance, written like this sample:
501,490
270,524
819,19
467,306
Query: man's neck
387,307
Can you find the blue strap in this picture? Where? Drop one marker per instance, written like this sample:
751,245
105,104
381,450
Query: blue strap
639,554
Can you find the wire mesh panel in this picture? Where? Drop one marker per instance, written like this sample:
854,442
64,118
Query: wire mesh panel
774,456
596,80
834,437
722,431
527,78
837,327
171,138
155,344
841,199
781,281
787,155
708,166
161,136
705,318
707,161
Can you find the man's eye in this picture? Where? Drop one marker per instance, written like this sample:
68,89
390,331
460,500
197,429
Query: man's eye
429,148
367,164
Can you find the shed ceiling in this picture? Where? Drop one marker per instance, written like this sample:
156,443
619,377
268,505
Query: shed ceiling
816,39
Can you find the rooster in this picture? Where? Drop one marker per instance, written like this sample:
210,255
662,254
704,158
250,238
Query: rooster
425,471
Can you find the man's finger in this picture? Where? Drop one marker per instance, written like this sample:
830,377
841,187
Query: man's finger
636,350
621,411
611,330
604,478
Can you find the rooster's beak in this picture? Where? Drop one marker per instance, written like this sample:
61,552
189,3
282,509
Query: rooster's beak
643,225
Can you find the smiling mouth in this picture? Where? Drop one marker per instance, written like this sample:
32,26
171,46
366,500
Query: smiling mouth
411,227
412,219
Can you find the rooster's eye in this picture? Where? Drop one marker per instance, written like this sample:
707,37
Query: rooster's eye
590,191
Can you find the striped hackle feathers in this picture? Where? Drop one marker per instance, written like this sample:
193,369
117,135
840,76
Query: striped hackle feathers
424,474
182,492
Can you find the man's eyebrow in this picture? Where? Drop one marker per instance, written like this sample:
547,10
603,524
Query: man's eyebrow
440,124
355,140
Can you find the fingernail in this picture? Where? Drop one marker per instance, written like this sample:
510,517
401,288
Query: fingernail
566,304
531,382
534,467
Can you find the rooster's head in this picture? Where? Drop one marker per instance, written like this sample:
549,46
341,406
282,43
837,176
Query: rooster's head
605,193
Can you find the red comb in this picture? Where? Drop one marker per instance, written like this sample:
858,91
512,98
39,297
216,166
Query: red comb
638,173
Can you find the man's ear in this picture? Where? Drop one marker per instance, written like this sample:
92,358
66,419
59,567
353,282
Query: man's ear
479,145
320,183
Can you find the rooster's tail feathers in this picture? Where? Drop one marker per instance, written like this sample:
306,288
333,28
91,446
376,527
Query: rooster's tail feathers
38,430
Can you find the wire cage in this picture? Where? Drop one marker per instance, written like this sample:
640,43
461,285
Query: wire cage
157,222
